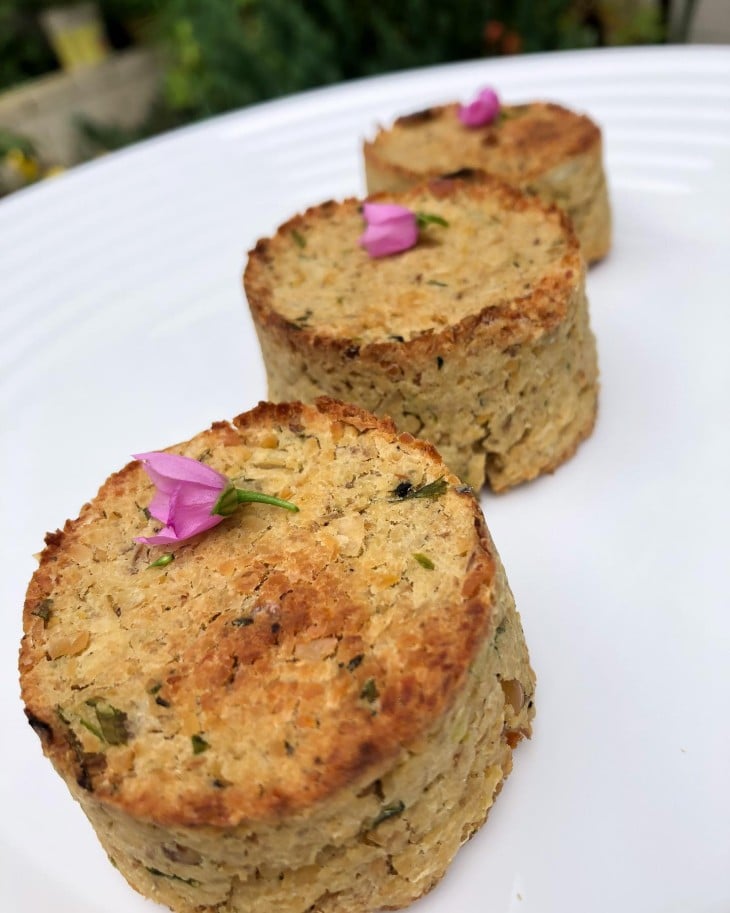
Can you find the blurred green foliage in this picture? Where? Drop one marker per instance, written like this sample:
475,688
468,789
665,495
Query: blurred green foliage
624,22
223,54
24,50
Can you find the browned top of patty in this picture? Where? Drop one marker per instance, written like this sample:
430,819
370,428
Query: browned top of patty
280,657
504,259
523,143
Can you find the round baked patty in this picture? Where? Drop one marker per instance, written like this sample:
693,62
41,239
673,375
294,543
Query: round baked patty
306,711
476,339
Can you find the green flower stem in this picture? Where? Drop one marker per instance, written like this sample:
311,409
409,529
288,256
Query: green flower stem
429,218
231,497
244,495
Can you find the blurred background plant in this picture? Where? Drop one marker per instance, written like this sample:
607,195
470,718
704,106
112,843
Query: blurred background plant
212,56
24,48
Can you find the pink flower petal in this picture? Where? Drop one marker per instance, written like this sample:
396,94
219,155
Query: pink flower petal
390,229
166,536
164,468
159,507
185,529
482,111
187,492
188,525
380,213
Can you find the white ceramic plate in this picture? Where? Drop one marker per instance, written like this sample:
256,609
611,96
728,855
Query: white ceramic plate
123,328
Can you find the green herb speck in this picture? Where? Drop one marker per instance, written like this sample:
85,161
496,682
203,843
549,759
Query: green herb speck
303,318
424,561
62,715
92,729
432,490
501,628
437,282
388,811
43,610
199,744
163,560
243,622
191,881
299,238
369,691
112,722
404,491
511,113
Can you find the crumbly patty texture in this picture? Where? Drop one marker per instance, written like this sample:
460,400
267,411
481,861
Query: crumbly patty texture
540,148
305,711
476,339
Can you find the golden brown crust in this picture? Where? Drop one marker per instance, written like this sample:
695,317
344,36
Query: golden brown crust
163,645
540,148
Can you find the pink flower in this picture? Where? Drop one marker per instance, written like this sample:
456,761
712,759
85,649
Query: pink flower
390,229
482,111
191,497
187,493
